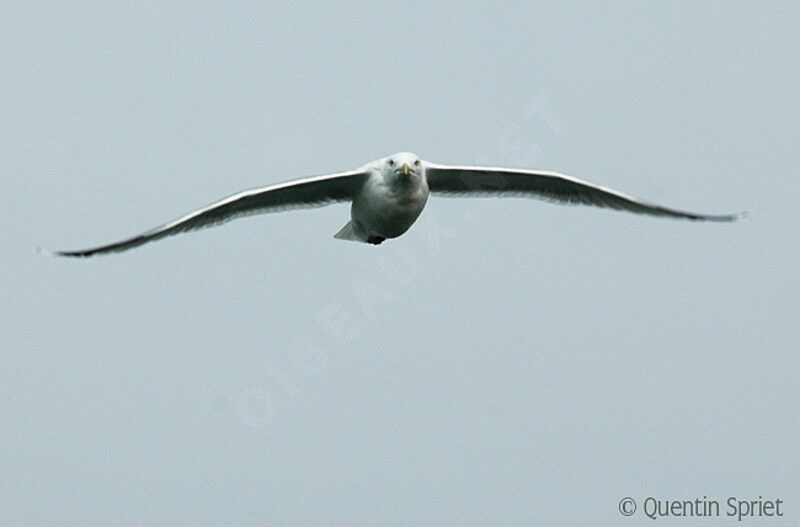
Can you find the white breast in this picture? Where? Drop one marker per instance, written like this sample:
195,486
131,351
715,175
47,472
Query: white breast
387,210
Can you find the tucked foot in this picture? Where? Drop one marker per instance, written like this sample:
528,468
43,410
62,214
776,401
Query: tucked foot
375,240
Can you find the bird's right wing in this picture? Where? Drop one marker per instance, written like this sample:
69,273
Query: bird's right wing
310,192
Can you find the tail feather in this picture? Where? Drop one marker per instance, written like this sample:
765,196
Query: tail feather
348,232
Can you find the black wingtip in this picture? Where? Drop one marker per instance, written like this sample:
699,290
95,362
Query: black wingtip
63,254
73,254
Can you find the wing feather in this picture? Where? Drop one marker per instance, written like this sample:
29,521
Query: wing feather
310,192
551,186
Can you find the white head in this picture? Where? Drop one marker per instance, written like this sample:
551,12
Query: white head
403,166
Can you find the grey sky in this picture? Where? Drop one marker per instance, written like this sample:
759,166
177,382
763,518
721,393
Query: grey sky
504,362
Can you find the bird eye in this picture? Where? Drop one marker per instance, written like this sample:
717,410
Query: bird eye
391,162
416,163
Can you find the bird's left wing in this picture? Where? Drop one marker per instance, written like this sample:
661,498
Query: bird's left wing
310,192
485,181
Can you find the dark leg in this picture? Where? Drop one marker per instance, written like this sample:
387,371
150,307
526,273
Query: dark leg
375,240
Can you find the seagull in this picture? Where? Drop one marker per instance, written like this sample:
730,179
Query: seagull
388,195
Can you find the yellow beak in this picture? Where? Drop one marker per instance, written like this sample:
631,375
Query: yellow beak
406,169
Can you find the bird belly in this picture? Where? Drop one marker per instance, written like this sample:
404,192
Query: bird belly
386,212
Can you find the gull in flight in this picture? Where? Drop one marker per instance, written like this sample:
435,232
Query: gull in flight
388,195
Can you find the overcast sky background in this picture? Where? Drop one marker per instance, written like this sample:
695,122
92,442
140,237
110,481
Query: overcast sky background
504,362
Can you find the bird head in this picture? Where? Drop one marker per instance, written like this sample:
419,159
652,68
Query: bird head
403,166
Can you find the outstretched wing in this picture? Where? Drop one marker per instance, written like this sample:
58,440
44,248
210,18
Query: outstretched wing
484,181
311,192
